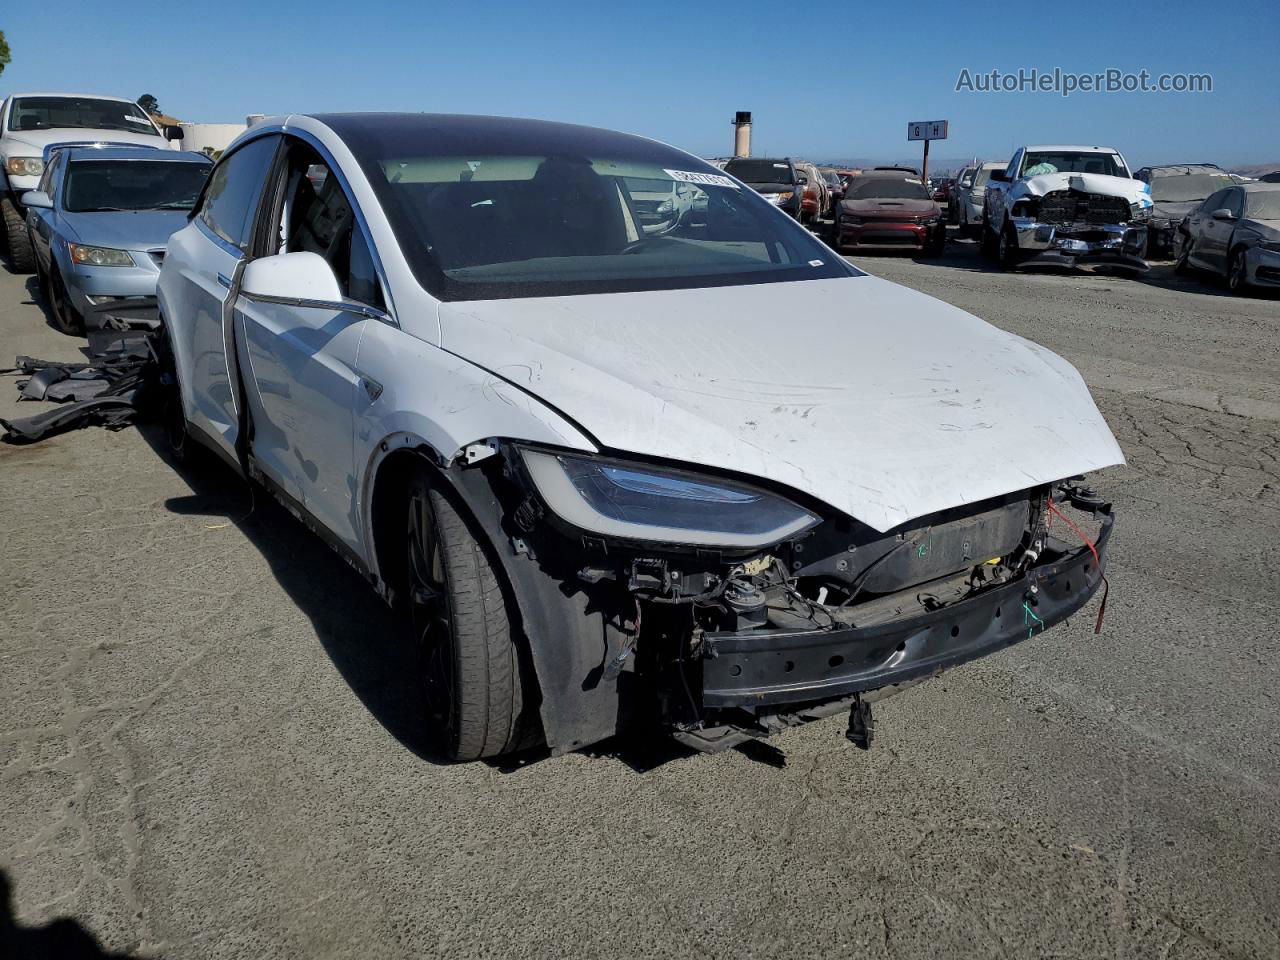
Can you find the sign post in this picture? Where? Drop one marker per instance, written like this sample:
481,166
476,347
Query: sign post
926,130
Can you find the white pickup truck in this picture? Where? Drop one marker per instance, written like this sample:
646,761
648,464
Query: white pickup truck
32,123
1066,206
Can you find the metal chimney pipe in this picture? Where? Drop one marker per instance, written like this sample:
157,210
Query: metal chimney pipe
742,134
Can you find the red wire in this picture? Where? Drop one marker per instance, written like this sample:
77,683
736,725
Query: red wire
1079,533
1102,610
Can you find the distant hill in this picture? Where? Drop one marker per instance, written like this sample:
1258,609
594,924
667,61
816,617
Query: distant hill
1256,170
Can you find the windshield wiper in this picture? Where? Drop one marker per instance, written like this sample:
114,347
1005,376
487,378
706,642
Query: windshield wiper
174,205
105,210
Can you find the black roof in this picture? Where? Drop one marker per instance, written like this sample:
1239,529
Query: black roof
454,134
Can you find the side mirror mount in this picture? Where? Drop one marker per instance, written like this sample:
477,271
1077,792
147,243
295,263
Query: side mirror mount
1222,213
801,179
38,199
967,182
299,279
173,132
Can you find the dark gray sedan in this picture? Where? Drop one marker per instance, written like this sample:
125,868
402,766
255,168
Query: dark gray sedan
1235,233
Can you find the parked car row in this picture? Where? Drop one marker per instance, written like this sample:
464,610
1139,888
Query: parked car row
30,123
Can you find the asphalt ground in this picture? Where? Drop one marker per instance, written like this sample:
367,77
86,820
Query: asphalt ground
207,722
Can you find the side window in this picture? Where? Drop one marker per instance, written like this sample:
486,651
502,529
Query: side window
1215,202
318,217
234,187
1235,202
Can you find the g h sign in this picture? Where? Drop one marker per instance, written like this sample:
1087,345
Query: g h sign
927,130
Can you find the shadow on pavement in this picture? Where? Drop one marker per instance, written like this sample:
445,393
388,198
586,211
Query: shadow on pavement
60,939
362,637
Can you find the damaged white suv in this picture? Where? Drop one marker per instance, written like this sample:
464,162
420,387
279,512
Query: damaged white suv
621,463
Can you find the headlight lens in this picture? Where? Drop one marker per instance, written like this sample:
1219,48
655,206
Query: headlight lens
1139,212
24,166
779,197
638,502
99,256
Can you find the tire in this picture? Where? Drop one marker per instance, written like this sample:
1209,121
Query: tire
42,281
65,316
1237,273
1183,263
987,239
17,239
1006,249
473,680
937,244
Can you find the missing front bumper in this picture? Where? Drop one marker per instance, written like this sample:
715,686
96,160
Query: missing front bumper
1079,244
752,669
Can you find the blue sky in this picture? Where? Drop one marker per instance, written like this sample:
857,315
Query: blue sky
843,87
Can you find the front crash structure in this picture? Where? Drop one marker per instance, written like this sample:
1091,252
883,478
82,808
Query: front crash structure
719,646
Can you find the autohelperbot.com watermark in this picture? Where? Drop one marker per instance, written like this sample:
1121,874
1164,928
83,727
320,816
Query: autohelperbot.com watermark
1065,82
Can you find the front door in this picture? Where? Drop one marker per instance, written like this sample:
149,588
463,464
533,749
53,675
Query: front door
209,260
301,360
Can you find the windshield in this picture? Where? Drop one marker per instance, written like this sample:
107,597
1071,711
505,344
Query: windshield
1054,162
1264,204
886,188
97,185
1178,188
628,215
760,171
48,113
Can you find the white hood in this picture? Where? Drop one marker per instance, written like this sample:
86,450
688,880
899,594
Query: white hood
32,143
1134,191
880,401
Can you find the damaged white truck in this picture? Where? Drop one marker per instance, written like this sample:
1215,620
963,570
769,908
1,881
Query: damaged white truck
1070,206
698,475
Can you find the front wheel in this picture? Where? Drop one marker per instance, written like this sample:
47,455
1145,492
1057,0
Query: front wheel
1237,273
1007,249
1183,264
473,685
17,237
65,316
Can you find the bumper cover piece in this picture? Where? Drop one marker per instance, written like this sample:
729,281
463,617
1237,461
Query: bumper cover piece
763,668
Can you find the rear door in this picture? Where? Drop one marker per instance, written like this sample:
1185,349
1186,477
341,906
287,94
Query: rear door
300,358
208,261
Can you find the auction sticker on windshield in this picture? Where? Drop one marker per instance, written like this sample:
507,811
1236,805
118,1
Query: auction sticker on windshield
704,179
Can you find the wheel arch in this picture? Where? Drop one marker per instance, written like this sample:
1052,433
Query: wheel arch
564,633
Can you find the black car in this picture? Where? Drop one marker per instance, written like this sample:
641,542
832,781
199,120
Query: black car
779,181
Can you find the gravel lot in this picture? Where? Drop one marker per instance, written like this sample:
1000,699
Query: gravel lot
206,743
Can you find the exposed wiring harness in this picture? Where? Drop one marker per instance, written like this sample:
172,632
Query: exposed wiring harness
1106,585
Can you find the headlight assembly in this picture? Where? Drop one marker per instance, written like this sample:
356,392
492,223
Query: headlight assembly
99,256
779,197
24,166
1139,213
639,502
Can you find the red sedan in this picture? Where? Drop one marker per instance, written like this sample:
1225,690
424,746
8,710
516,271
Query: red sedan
889,211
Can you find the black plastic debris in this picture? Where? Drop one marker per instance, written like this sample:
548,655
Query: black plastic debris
121,380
